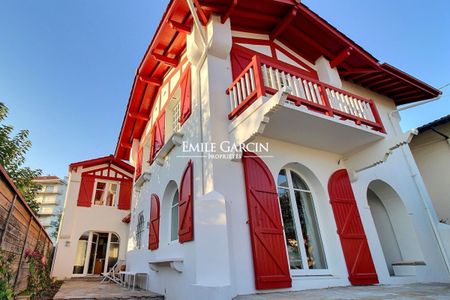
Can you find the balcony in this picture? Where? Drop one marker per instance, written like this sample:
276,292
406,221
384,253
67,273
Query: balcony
273,99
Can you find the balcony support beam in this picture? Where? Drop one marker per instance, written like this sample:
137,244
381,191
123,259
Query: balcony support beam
172,62
151,81
229,11
343,55
179,27
139,116
281,26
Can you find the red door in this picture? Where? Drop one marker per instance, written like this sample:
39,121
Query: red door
270,261
359,262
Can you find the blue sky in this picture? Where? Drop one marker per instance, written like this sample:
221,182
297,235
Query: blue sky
66,67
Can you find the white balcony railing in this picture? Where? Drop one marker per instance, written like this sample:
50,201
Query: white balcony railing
267,76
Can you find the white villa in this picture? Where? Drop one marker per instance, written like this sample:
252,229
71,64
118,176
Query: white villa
325,191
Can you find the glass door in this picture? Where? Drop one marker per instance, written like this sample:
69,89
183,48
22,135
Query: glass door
93,253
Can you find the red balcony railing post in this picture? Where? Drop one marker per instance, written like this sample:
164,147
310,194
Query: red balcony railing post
376,115
259,80
326,102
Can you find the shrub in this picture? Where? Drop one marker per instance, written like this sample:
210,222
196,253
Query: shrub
6,275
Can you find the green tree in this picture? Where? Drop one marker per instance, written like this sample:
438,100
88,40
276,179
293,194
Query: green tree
13,148
55,224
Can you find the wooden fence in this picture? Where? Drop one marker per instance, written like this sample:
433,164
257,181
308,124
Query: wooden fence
20,230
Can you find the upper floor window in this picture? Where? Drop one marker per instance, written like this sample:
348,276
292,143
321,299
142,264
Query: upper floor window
174,218
105,193
139,230
49,188
301,229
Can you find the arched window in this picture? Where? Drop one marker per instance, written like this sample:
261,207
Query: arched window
174,218
301,230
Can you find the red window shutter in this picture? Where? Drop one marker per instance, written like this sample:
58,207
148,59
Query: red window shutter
158,135
86,191
185,108
126,189
154,223
186,212
350,229
139,163
270,260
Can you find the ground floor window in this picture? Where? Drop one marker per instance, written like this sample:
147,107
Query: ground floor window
301,229
174,218
96,253
139,230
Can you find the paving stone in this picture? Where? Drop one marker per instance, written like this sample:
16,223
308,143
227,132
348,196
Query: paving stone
88,289
376,292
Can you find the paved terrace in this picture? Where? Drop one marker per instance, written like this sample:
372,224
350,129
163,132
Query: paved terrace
408,291
93,289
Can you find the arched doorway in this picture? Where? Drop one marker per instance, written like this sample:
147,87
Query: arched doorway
96,253
394,228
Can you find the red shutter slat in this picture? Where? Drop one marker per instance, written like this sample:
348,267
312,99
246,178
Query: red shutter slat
139,163
154,223
86,191
126,189
158,136
185,108
350,229
270,261
185,214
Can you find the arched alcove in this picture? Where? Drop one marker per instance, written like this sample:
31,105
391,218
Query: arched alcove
393,224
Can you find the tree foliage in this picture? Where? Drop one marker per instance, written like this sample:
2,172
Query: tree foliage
13,148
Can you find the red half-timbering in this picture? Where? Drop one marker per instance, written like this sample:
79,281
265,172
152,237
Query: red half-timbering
153,238
186,206
104,168
359,262
270,261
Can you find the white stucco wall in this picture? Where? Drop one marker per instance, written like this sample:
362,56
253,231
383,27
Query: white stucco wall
218,263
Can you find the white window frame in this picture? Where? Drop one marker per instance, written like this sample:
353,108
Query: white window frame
108,184
291,190
178,216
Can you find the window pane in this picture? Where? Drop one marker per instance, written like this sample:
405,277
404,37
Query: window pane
81,256
298,182
114,238
282,179
310,229
290,232
101,185
113,254
110,196
174,218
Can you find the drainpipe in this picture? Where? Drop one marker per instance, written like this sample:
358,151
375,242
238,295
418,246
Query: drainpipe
415,177
200,63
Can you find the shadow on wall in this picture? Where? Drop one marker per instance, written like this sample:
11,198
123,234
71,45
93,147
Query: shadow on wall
394,226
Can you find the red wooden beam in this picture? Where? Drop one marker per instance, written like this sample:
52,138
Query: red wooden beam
383,84
151,81
341,57
373,78
139,116
166,60
300,34
201,13
281,26
357,71
125,145
179,27
229,11
379,83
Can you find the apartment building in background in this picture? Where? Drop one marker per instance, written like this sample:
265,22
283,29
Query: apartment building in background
51,201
